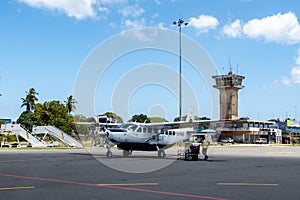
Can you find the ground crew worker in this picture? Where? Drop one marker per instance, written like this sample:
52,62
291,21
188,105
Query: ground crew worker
204,148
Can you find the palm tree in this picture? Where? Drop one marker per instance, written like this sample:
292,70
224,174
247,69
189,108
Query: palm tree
70,104
30,99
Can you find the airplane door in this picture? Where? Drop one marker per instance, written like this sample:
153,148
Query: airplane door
161,137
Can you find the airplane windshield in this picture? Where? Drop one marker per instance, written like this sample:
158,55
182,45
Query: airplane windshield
130,127
125,126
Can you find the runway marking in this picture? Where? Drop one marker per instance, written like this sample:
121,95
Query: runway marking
248,184
128,184
17,188
113,187
1,161
275,153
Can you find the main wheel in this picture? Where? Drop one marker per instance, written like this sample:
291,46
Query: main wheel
126,153
109,154
195,157
161,154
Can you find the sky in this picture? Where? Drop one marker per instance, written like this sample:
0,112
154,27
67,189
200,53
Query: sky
46,44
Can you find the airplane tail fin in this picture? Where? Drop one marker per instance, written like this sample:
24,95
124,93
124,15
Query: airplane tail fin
190,116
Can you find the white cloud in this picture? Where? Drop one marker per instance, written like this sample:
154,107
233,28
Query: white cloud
103,9
203,23
158,2
285,81
281,28
112,1
161,25
136,23
295,72
294,78
234,29
140,34
80,10
133,11
155,15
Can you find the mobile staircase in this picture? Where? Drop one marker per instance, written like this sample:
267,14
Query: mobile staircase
58,134
21,131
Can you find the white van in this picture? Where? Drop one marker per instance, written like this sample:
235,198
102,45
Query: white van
261,141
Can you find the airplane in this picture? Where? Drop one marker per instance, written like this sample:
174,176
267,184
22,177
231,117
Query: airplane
133,136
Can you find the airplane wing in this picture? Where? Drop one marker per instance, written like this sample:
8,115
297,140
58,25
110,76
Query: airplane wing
101,124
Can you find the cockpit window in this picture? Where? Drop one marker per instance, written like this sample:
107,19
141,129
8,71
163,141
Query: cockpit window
125,126
132,127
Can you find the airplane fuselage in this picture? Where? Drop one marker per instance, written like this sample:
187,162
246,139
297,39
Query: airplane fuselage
142,137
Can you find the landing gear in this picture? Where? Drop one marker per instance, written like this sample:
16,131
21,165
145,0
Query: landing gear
161,153
109,154
126,153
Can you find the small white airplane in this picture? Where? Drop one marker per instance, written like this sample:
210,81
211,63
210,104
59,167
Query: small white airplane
134,136
145,137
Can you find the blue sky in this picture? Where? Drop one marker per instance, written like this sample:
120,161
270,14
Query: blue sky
44,43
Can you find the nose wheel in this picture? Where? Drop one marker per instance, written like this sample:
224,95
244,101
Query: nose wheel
161,153
109,154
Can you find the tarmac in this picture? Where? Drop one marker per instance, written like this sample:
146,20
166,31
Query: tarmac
256,172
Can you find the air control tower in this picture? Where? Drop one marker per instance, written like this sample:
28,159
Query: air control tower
228,86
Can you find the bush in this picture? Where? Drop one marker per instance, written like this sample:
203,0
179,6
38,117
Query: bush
294,140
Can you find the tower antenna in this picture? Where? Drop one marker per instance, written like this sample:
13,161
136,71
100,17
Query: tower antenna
230,67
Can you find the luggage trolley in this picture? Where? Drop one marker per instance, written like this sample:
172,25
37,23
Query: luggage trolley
191,152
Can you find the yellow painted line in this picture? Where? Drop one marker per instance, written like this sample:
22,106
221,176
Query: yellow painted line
17,188
1,161
128,184
274,153
248,184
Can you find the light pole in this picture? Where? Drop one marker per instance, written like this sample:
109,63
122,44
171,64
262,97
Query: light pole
180,23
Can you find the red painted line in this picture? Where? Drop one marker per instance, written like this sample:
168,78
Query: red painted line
112,187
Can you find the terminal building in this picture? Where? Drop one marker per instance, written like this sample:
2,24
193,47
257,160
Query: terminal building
290,131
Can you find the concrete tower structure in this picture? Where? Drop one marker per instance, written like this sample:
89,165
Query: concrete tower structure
228,86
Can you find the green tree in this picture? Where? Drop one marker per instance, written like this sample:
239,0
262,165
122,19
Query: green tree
80,118
70,104
91,119
30,99
141,118
177,119
54,113
27,120
294,140
114,116
195,118
202,118
157,119
81,128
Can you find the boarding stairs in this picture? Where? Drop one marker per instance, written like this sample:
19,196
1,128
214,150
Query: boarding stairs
58,134
21,131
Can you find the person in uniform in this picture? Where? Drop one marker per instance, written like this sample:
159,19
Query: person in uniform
204,148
